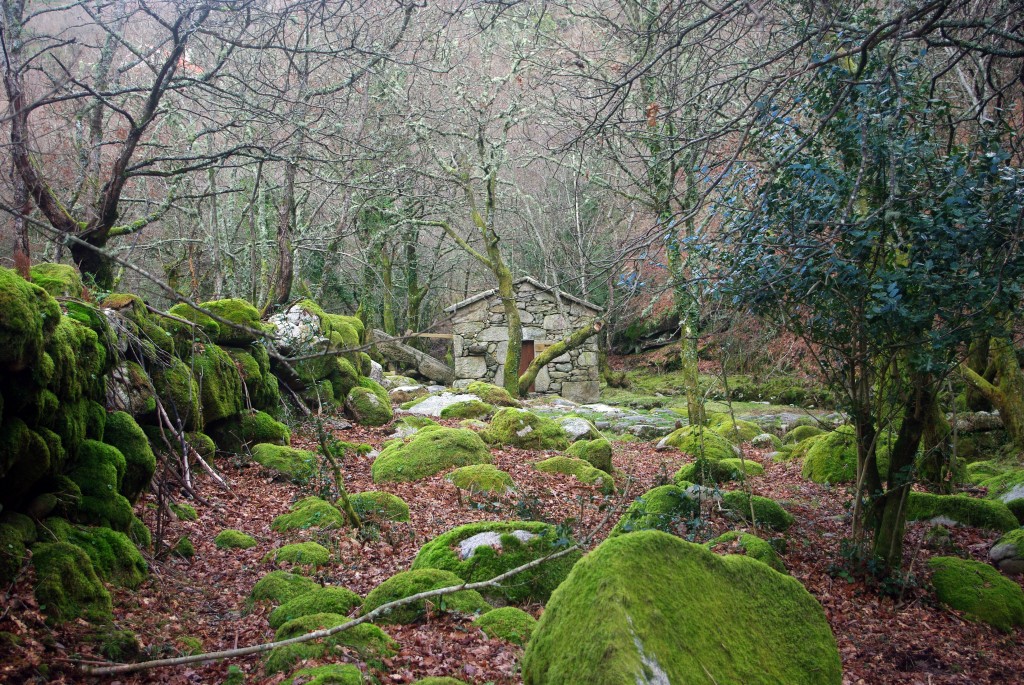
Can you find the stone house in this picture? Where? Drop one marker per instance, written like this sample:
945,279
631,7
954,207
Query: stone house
480,339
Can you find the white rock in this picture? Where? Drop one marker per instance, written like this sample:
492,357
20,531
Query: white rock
433,406
489,539
376,372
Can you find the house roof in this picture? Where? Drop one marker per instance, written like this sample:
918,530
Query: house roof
486,294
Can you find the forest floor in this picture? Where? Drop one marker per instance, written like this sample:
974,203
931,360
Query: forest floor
907,639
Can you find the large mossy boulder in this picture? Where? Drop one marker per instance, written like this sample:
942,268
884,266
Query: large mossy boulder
378,507
627,607
979,591
598,453
428,452
177,388
238,433
60,280
295,464
67,586
665,508
736,431
481,551
309,512
28,315
1008,552
368,404
140,463
99,472
243,321
526,430
801,433
700,442
832,458
219,381
114,557
413,582
961,509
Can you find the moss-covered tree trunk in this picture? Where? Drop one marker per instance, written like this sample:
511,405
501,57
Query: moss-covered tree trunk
978,361
506,291
1007,393
937,467
571,342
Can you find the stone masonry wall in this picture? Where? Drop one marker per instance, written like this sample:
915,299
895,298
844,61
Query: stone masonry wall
480,341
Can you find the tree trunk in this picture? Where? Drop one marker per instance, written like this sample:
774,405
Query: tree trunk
689,320
506,291
285,258
564,345
1007,394
937,467
978,360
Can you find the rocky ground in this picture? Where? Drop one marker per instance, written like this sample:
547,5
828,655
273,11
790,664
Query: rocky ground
197,604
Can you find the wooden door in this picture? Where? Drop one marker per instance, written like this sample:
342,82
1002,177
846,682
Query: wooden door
524,361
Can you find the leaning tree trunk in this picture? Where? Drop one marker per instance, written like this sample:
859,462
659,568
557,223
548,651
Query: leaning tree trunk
564,345
1007,394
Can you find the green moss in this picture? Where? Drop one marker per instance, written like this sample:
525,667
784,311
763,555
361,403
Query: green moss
481,478
120,646
379,506
698,442
297,465
205,327
202,443
280,586
12,552
234,539
300,553
598,453
329,674
582,470
507,623
24,459
833,458
368,403
139,533
801,433
969,511
67,586
79,361
525,430
237,312
367,641
470,409
59,280
979,591
125,434
751,545
179,392
235,676
184,548
343,377
28,315
99,472
766,511
429,452
184,512
980,471
412,582
641,596
707,471
191,645
734,431
237,433
322,600
220,384
487,562
662,508
310,512
1005,486
114,558
492,394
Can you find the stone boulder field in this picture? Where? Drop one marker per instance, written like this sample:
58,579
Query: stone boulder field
681,554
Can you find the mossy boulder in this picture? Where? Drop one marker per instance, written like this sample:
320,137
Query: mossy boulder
440,680
979,591
140,463
1008,552
662,508
328,674
67,586
300,554
598,453
234,539
480,551
238,312
280,586
377,506
1006,486
322,600
366,641
526,430
114,557
470,409
59,280
177,388
801,433
833,458
643,595
28,315
309,512
219,381
710,471
700,442
767,511
748,544
14,541
967,511
295,464
24,459
237,433
368,403
260,384
507,623
481,478
582,470
492,394
735,431
99,472
429,452
203,328
408,583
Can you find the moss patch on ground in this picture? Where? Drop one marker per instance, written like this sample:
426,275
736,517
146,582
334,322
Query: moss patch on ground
301,554
701,442
328,674
280,586
481,478
643,595
800,433
968,511
492,394
709,471
766,511
429,452
234,539
470,409
322,600
979,591
486,562
413,582
309,512
525,430
507,623
368,642
582,470
735,431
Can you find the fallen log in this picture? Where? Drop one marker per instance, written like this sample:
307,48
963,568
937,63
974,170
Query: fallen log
425,365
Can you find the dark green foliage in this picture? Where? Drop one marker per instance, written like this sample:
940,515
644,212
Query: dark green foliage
99,472
487,562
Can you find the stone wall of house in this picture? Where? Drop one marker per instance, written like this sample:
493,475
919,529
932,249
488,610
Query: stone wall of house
480,343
